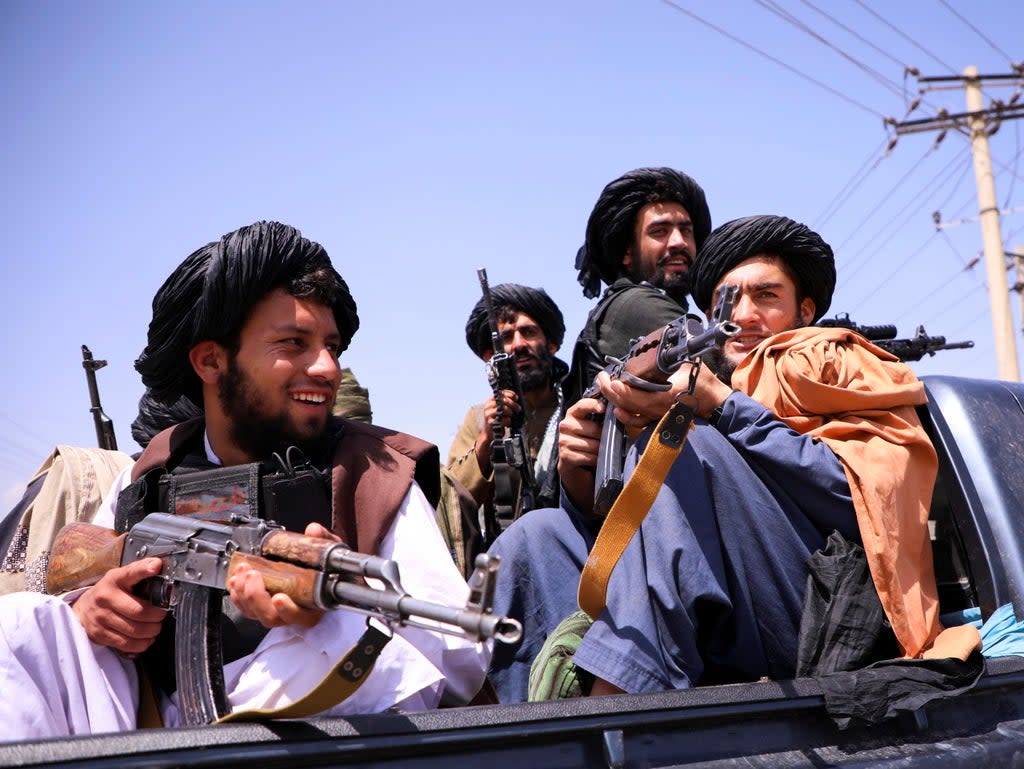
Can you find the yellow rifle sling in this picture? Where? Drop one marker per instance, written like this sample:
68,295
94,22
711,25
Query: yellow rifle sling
347,676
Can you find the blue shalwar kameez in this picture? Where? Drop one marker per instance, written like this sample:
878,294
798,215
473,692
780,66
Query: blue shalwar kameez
712,586
774,493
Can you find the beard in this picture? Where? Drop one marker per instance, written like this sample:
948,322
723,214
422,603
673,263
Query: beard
676,285
720,366
260,434
723,367
537,376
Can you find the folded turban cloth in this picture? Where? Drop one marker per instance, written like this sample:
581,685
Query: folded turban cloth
531,301
611,223
211,293
809,257
155,416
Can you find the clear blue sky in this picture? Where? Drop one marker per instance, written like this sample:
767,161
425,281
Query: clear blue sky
419,141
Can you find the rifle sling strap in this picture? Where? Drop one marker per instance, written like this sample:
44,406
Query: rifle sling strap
631,506
341,682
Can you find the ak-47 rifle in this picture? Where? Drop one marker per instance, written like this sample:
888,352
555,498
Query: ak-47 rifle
104,425
647,366
884,336
200,555
508,452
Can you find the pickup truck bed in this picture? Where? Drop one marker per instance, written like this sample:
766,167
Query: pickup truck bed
978,532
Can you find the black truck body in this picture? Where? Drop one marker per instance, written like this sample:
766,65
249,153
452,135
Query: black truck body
977,427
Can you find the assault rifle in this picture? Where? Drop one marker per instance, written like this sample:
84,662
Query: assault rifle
508,452
647,366
200,555
104,425
884,336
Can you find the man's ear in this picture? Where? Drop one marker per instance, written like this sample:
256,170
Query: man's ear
807,310
209,360
552,348
627,258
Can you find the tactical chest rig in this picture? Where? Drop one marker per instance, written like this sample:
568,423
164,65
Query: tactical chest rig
288,490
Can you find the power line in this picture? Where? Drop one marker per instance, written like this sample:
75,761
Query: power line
904,35
979,33
850,187
955,187
1016,159
885,199
854,33
771,58
25,431
787,16
933,184
944,283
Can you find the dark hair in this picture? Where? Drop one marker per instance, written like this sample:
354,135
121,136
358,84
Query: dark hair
612,222
509,299
212,293
807,259
155,416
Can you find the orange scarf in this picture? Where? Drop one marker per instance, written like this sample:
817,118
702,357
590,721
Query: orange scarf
837,387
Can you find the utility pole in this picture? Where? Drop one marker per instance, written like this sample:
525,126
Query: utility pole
991,233
979,123
1018,253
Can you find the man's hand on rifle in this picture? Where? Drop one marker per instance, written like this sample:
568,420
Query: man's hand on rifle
251,598
637,408
579,440
509,406
114,616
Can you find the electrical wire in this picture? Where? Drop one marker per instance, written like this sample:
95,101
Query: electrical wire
852,185
854,33
858,228
1016,159
860,265
771,58
775,8
968,266
978,32
904,36
907,69
946,282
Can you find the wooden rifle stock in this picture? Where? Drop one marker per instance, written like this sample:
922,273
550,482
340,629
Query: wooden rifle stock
81,554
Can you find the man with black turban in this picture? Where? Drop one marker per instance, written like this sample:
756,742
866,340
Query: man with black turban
249,328
805,431
641,239
531,329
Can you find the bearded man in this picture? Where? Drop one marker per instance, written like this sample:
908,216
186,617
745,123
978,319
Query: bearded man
804,432
641,239
531,329
250,328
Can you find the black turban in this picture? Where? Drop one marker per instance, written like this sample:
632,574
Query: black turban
155,416
210,295
611,224
532,301
809,257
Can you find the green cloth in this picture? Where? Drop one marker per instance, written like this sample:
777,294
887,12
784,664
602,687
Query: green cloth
553,675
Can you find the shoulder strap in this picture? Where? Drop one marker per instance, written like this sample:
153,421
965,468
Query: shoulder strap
631,507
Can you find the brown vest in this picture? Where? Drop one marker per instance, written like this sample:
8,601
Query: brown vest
372,470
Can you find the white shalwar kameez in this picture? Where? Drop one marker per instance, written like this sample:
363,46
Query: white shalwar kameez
55,682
